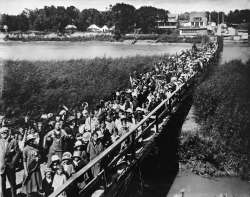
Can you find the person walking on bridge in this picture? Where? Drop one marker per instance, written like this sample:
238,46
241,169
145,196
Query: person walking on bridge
32,183
57,138
9,154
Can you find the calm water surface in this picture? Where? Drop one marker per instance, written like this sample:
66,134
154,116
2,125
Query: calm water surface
92,49
77,50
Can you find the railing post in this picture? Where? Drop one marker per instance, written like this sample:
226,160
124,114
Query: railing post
156,122
105,183
170,105
133,147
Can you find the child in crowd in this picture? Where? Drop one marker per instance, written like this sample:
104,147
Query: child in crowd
59,179
67,164
47,182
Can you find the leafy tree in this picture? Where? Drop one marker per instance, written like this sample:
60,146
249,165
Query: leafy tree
146,18
123,17
88,17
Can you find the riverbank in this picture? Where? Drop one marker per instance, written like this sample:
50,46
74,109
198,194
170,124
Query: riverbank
90,36
214,136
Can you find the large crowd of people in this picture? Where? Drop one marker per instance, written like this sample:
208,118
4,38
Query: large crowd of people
67,140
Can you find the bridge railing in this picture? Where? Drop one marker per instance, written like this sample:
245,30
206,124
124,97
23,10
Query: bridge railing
125,150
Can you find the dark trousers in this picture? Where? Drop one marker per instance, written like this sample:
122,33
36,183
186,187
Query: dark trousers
11,174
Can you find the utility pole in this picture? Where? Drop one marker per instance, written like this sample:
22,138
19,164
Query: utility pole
218,18
1,77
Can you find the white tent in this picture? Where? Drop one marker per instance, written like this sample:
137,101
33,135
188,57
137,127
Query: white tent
105,28
70,27
94,28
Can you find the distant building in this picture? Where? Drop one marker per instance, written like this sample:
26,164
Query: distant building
184,23
193,31
243,33
197,25
198,19
171,23
232,31
70,28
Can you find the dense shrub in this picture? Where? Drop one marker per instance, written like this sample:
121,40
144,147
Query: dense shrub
174,37
46,84
223,108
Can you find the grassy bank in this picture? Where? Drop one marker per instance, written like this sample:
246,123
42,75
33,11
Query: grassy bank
222,105
171,38
43,85
96,37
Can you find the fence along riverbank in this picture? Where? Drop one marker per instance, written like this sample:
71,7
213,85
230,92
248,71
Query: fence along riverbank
134,142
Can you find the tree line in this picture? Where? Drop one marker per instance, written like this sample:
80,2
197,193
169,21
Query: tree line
124,17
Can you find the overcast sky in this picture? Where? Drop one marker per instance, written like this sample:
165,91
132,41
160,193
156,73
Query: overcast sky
174,6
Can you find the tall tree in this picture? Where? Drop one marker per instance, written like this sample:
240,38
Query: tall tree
123,17
146,18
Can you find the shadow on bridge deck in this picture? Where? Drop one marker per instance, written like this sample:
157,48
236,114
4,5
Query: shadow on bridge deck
159,168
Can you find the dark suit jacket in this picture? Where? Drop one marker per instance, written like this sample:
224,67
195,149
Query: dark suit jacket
11,154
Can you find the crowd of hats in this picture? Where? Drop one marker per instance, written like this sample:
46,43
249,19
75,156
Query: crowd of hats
125,109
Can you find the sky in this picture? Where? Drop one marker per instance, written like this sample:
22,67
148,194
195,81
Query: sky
174,6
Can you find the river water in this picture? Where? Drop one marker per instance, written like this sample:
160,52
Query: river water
92,49
78,50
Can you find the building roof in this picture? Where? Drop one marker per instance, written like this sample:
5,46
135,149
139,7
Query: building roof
70,27
105,27
172,17
94,26
194,28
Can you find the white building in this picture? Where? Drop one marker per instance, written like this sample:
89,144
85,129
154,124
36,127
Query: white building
197,25
171,23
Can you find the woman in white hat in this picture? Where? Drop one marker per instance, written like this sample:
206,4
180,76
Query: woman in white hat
67,164
47,182
32,183
55,161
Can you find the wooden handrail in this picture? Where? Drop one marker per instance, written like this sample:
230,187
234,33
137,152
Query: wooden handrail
108,150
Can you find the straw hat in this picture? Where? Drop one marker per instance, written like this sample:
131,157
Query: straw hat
129,110
30,137
86,136
71,118
44,116
66,156
48,170
50,115
122,117
55,158
4,130
78,143
77,154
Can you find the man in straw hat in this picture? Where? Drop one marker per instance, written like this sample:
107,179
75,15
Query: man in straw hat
9,154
